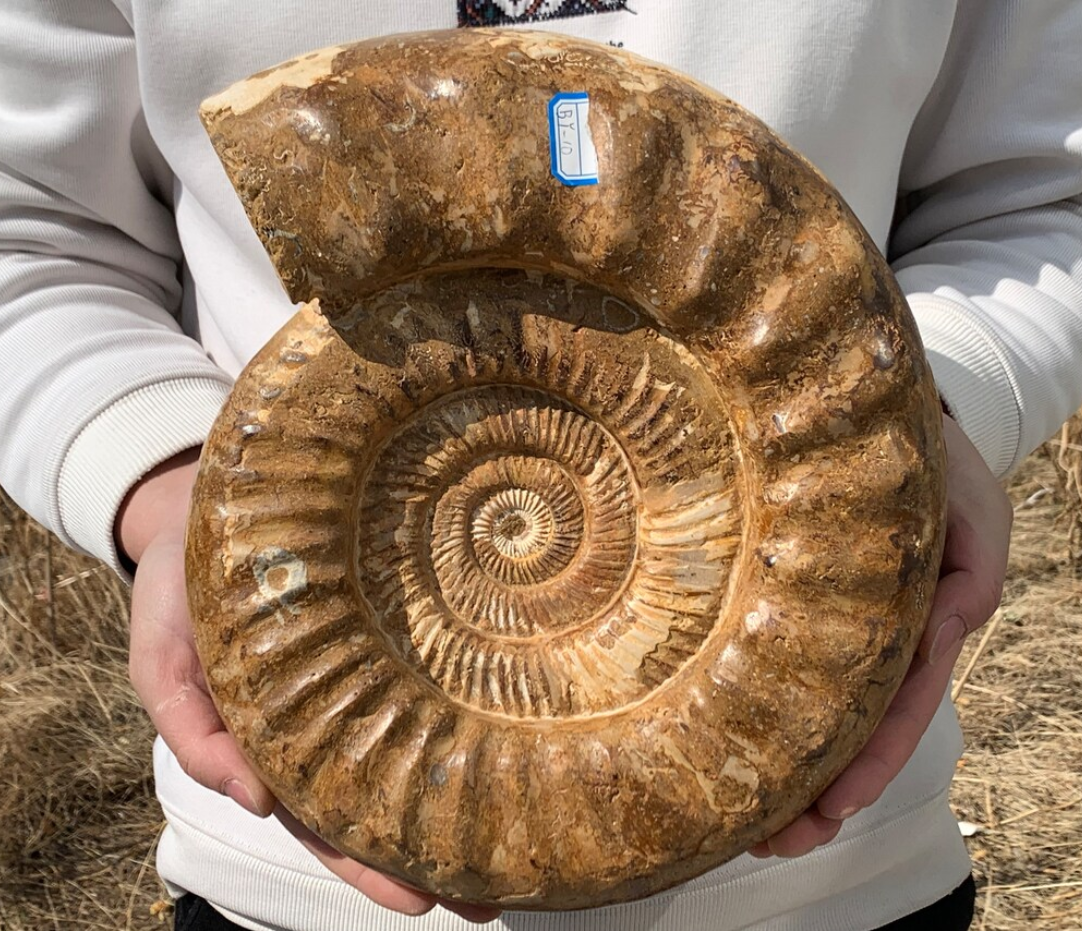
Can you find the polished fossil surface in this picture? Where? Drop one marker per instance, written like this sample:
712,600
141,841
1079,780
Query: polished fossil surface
571,538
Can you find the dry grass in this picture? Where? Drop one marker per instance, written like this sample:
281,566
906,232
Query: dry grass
78,821
1021,708
1068,459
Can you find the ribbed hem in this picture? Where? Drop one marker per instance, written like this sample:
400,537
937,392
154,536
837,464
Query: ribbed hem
920,857
119,446
973,378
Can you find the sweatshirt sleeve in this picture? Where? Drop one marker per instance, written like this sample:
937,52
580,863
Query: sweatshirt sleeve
99,384
989,250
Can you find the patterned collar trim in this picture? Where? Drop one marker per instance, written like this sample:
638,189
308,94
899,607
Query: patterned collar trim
506,12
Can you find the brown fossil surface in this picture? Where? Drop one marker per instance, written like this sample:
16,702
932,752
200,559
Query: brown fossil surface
573,536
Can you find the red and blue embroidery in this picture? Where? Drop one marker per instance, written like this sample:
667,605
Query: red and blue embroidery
505,12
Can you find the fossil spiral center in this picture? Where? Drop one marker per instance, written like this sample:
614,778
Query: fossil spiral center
516,521
510,529
527,529
514,515
509,524
515,533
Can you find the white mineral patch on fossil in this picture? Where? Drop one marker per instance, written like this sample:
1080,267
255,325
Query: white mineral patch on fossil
281,576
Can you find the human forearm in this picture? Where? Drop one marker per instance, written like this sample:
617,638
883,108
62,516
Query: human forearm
100,384
157,504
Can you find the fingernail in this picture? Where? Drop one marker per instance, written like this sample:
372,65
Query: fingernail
951,633
847,813
238,791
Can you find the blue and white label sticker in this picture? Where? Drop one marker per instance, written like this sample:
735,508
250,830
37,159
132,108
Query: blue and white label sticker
574,158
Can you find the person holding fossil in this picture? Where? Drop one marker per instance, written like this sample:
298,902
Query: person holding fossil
132,291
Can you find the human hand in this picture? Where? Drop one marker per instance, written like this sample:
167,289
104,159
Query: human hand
168,678
979,518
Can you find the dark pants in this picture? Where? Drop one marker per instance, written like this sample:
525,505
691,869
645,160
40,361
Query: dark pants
954,913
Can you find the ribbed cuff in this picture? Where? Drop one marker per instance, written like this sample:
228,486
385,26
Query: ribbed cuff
119,446
973,377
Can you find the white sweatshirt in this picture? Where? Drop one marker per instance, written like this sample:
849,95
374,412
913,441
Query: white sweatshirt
132,291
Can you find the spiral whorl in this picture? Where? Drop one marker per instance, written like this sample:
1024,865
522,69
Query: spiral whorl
514,536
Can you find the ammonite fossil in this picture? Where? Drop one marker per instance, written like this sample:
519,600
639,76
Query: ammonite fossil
576,532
